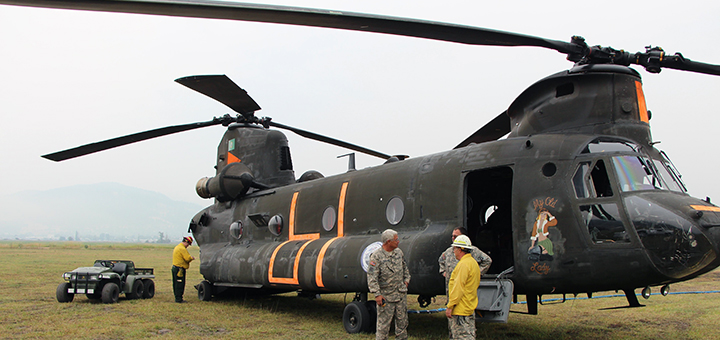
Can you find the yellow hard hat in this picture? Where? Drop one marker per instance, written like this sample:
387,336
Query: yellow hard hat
462,241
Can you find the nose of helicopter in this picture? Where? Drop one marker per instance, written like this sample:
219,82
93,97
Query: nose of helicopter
680,234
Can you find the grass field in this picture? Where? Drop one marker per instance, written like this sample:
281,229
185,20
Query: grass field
31,271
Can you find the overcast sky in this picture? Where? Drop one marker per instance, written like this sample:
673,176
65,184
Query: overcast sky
71,78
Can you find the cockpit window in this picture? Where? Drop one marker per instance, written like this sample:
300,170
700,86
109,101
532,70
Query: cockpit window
604,223
606,146
592,180
637,173
667,176
581,174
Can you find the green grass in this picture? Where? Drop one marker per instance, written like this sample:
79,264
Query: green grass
30,273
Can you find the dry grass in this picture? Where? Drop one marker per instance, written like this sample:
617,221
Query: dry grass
30,272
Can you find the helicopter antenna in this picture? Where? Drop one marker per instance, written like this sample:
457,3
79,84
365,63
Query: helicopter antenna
351,161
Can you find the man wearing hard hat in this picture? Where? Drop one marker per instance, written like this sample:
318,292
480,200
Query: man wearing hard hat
462,291
181,263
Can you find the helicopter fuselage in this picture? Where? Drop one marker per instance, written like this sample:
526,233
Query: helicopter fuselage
552,206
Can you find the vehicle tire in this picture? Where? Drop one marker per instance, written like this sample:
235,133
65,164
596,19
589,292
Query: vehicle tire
110,292
356,318
62,293
137,290
149,291
371,306
205,291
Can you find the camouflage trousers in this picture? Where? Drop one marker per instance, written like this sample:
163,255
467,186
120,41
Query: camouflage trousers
385,316
462,327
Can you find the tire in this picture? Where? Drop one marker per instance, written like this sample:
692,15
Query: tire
137,290
110,293
149,291
62,293
356,318
205,291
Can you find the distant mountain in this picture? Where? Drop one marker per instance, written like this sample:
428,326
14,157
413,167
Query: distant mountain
94,212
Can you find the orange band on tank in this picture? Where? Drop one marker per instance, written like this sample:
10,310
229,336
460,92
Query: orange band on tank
273,279
642,108
318,265
705,208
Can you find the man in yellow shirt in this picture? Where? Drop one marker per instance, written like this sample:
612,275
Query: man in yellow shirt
181,263
462,291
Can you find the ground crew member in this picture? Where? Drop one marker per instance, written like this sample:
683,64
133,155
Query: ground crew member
462,294
388,278
448,261
181,263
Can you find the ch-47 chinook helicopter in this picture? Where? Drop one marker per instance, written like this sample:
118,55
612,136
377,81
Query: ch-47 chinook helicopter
575,200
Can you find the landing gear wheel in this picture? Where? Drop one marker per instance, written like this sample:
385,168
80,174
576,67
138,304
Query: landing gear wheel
137,290
149,289
62,293
356,318
205,291
110,293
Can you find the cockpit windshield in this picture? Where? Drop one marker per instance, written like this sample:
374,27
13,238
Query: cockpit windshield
639,173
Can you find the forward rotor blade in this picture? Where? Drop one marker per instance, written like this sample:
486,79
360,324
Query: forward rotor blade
222,89
308,17
496,128
124,140
329,140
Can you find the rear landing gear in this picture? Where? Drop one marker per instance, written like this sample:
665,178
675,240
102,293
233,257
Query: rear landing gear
360,315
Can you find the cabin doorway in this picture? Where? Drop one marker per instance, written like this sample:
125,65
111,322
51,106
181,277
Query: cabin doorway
488,214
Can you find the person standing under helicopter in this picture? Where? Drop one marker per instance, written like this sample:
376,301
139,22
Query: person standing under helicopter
447,262
462,294
180,264
388,279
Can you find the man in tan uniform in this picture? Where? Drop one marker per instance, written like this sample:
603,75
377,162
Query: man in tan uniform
388,278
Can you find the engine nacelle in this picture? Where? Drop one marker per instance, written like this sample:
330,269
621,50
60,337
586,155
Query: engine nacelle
232,182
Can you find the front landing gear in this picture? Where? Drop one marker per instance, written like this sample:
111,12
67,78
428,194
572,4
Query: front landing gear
360,315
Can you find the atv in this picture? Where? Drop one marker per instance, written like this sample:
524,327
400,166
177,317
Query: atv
105,280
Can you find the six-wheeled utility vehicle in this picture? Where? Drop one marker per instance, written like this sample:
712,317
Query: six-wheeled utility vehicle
105,280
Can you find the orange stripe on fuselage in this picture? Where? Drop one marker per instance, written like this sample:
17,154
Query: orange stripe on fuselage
291,237
642,107
705,208
341,210
341,233
311,237
232,159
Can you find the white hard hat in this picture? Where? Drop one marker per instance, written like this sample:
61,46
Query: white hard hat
462,241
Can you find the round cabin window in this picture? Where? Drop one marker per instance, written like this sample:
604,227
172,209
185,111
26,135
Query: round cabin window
236,229
276,225
328,218
395,210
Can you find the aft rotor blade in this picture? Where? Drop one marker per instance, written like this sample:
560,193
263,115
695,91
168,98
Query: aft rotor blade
677,62
496,128
333,141
222,89
308,17
124,140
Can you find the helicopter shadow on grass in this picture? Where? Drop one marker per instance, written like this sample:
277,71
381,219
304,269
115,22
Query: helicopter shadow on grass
329,309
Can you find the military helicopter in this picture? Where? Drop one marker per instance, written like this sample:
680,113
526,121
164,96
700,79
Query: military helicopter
576,199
